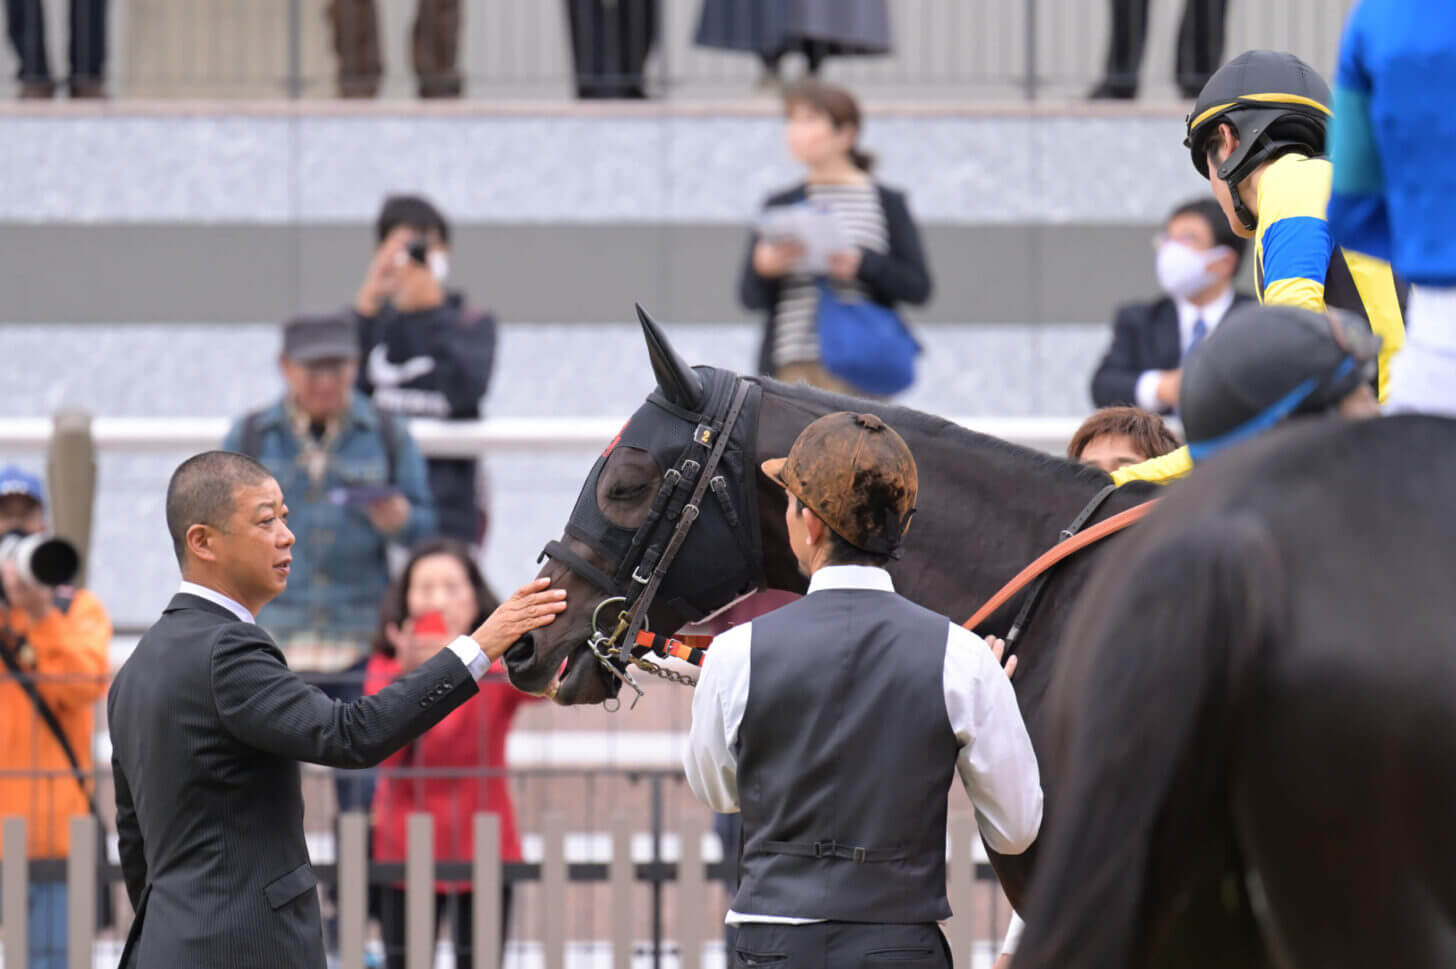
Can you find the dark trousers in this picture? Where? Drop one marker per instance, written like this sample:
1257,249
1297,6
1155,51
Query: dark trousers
1200,43
392,920
25,22
610,41
841,945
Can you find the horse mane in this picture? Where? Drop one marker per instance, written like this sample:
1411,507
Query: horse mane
914,424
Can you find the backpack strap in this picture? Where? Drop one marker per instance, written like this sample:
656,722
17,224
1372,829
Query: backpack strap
251,442
389,432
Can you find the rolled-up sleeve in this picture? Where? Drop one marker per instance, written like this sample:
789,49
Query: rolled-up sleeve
710,760
996,762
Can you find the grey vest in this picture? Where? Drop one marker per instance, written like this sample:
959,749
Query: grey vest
845,759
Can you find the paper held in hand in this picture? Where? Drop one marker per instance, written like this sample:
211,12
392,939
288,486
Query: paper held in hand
812,225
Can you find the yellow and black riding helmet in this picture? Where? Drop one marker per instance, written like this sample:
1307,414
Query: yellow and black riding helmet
1275,102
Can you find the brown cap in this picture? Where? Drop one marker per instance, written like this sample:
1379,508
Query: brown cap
857,475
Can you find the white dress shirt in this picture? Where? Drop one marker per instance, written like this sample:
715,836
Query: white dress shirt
996,763
469,651
217,598
1145,393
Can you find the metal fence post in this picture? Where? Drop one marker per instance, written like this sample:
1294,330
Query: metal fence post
71,480
14,877
690,890
622,877
419,892
352,889
81,892
295,49
1029,80
553,891
961,890
486,897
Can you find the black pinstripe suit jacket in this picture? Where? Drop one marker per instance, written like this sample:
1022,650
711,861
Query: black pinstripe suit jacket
208,726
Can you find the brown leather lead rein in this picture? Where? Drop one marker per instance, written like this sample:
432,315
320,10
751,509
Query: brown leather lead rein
1055,554
693,649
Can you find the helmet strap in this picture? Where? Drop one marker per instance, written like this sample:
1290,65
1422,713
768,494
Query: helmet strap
1247,219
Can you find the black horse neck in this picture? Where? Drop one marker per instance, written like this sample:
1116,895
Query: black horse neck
986,507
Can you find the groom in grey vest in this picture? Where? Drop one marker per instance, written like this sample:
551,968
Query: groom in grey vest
836,723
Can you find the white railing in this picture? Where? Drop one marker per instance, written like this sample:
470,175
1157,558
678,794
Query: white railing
453,438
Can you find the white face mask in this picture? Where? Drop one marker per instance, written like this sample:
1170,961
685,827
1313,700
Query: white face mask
1183,272
439,265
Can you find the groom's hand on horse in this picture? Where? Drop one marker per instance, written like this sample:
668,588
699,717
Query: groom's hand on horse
532,606
998,650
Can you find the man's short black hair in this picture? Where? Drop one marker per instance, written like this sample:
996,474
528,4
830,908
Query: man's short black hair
202,490
1223,234
414,211
840,551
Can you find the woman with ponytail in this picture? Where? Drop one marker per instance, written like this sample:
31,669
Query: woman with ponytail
879,258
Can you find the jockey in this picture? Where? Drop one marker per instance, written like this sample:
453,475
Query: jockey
1257,133
1394,189
1267,363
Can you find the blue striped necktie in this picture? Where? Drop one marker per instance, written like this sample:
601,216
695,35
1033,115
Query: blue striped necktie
1200,330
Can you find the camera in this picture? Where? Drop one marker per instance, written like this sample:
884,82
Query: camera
40,559
418,249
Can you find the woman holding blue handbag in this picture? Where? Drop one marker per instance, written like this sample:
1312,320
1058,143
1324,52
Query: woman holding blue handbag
831,258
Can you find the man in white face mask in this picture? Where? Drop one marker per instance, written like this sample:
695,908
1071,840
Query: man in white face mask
1197,256
425,352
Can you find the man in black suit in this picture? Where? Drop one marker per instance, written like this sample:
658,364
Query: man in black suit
1198,256
1199,54
208,725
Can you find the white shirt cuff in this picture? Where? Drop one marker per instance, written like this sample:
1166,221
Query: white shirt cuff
1145,393
1013,935
471,655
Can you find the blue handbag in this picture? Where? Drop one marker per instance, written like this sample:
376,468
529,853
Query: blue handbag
864,343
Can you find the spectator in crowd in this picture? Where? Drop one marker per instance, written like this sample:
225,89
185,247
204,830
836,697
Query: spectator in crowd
1198,256
610,41
1115,437
881,260
434,47
355,483
426,353
25,22
54,643
441,595
816,28
1200,47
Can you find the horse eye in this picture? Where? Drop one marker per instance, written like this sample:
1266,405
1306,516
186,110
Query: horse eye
626,492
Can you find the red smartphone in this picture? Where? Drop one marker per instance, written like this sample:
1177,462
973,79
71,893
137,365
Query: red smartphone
431,624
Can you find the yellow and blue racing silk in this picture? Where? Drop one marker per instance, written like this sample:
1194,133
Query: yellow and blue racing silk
1296,262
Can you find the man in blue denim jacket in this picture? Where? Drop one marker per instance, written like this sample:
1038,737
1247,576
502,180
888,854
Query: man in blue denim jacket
355,482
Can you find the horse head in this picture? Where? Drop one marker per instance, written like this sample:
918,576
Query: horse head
675,493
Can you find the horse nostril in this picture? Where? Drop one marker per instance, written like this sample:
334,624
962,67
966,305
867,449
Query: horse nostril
521,655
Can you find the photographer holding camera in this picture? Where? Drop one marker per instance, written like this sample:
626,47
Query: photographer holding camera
424,352
53,640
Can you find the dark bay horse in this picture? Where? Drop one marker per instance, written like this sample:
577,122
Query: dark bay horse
986,508
1257,732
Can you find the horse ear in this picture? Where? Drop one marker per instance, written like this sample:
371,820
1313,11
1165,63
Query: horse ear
679,382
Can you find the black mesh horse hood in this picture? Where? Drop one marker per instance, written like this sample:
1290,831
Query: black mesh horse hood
720,559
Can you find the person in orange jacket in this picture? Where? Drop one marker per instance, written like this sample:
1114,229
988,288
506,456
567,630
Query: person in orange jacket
60,636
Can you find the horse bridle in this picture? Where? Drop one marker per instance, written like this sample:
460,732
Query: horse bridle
642,570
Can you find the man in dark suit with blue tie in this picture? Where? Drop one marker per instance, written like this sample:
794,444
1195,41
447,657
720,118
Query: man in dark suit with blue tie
1198,256
208,726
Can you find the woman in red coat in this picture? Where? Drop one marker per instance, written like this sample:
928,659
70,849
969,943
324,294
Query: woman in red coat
441,594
